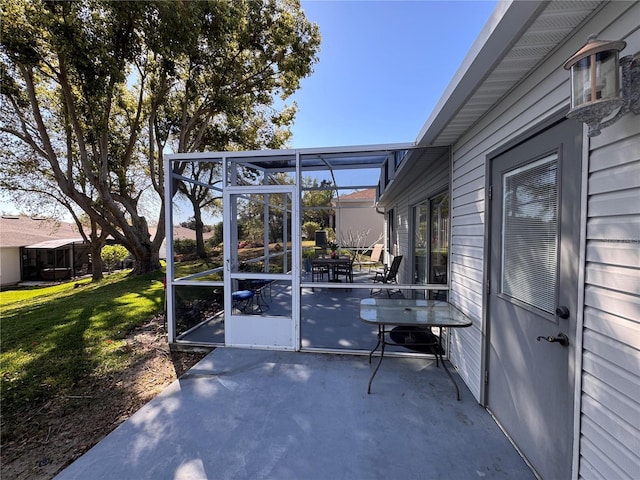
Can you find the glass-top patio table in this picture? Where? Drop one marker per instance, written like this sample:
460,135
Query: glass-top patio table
412,321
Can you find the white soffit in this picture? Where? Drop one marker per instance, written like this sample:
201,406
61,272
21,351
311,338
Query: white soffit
517,37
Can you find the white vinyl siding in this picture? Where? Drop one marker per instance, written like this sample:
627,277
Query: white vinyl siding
607,432
10,260
467,264
610,401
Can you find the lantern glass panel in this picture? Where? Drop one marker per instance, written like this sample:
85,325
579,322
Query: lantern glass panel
581,82
606,78
608,85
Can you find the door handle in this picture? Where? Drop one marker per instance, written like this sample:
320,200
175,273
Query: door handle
561,338
562,312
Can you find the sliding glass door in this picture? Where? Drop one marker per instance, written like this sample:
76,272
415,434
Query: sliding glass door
431,242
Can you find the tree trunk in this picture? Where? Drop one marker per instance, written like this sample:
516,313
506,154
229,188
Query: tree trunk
96,261
98,239
197,216
146,263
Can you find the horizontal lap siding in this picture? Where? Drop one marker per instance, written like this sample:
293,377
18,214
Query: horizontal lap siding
611,330
523,109
610,403
466,346
467,257
610,428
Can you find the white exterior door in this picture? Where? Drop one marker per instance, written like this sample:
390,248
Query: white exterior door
260,221
534,259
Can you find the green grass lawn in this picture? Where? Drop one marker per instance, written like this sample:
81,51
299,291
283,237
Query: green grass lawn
53,337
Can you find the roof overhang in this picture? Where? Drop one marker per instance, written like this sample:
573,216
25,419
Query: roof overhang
53,244
518,36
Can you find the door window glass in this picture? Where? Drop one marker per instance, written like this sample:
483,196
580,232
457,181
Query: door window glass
530,233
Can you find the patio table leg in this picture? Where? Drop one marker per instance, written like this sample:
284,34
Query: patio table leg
450,376
379,361
377,344
438,356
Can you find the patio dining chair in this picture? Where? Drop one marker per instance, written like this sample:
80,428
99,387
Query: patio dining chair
439,276
376,254
345,269
319,271
388,275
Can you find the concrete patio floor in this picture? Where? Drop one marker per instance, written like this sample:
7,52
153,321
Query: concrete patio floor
255,414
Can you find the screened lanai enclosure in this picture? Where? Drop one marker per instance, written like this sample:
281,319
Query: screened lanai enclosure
264,281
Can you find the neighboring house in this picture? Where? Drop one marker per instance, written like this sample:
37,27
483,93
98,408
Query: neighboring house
536,223
35,249
356,219
41,249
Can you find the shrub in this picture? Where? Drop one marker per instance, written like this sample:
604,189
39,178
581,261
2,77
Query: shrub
310,228
183,246
216,238
112,255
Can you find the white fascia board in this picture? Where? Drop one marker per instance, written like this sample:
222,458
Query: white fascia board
507,23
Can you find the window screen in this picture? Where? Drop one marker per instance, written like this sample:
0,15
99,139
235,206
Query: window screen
530,233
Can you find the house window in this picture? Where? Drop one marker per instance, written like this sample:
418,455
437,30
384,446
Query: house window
439,234
431,241
420,243
399,157
391,232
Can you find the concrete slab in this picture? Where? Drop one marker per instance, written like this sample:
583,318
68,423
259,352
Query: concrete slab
254,414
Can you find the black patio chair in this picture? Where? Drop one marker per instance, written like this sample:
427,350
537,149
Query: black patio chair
319,271
439,276
345,269
388,275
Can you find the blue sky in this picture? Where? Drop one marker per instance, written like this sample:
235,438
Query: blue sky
383,67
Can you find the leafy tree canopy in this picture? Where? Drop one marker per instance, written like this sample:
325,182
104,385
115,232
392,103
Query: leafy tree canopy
95,91
316,202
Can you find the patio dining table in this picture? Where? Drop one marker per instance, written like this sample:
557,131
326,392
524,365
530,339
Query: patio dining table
331,263
412,321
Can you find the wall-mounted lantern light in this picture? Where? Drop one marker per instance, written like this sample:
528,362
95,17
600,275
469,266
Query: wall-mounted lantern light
595,84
